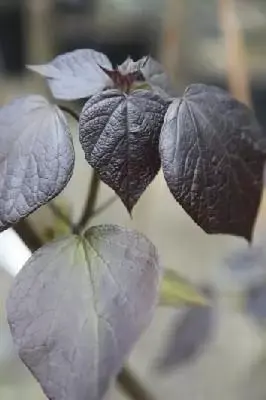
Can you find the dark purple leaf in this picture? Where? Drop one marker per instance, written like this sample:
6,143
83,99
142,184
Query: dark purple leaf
119,134
213,153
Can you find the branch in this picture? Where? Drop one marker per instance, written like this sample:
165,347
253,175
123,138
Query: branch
60,215
127,381
132,387
235,49
90,203
104,206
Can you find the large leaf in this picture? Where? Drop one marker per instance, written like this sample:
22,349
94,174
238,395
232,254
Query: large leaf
188,337
119,134
36,157
75,75
213,153
79,305
176,291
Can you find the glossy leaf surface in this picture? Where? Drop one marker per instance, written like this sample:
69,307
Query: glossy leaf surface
213,154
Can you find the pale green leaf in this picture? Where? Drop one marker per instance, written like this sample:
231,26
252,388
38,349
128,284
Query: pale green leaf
176,291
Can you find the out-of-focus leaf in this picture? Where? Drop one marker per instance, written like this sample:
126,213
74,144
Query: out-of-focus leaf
213,153
125,82
176,291
156,76
36,157
188,337
119,134
255,302
246,266
75,75
128,66
79,305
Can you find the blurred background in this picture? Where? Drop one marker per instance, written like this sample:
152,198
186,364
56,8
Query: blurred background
222,42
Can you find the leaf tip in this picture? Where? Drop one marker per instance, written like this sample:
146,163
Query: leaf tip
248,236
31,67
130,210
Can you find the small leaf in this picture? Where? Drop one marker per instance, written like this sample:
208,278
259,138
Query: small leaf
176,291
213,153
75,75
153,73
119,134
128,66
125,82
79,305
36,157
188,337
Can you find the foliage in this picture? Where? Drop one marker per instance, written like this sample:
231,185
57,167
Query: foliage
81,302
189,334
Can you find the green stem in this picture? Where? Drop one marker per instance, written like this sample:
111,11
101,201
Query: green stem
93,190
60,215
90,203
132,387
104,206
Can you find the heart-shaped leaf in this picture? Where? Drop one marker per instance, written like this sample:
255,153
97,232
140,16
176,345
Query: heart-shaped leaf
36,157
76,75
213,153
78,306
119,134
176,291
188,337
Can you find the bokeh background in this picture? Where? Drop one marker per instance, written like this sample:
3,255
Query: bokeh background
221,42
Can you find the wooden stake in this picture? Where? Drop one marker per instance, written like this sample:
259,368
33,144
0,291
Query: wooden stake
39,25
172,31
236,58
